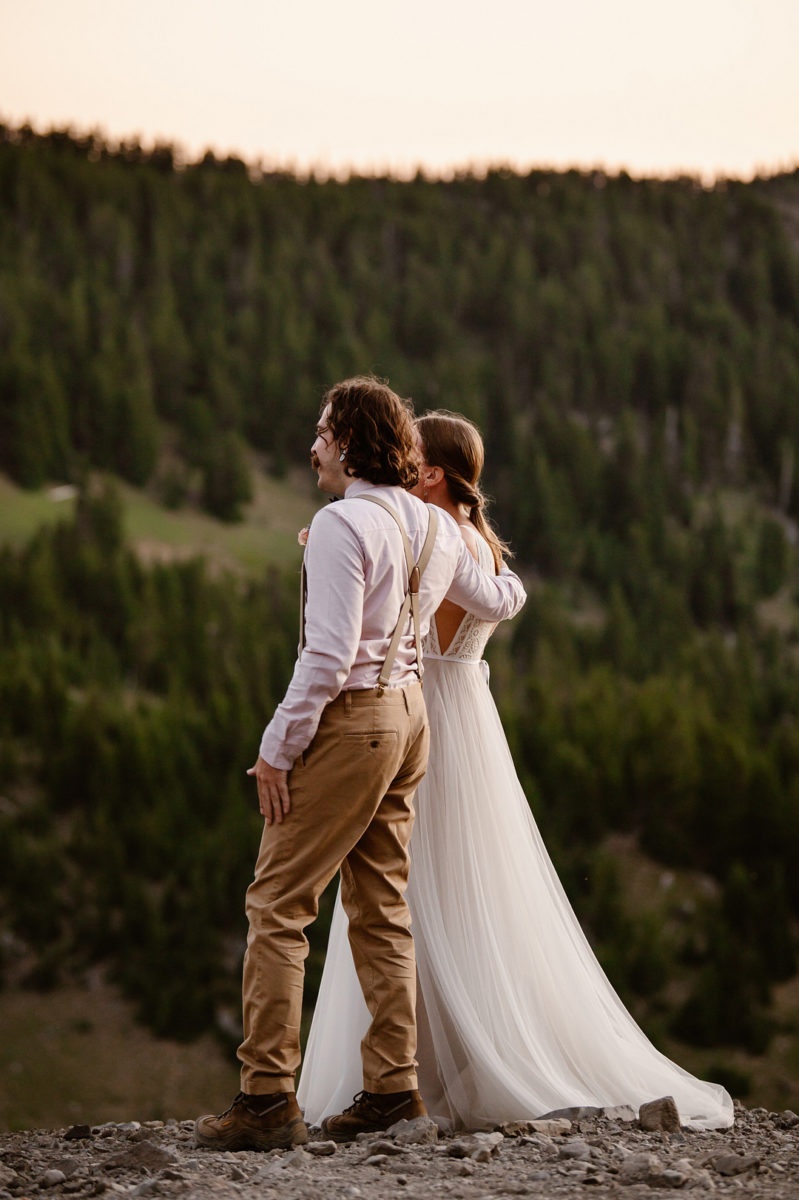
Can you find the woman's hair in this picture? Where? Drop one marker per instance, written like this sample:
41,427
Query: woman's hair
375,428
453,443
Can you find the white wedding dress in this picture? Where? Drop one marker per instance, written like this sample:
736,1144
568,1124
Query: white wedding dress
516,1016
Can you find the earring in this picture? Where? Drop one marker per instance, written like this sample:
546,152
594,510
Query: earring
424,494
342,456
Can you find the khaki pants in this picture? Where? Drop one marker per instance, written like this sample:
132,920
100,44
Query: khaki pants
351,807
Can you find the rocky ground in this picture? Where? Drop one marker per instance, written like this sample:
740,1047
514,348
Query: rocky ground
576,1153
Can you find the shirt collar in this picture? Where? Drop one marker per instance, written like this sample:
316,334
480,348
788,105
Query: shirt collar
358,487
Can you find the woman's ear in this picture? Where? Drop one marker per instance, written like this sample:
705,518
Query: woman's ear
432,476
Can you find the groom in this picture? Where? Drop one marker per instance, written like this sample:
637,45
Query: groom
338,767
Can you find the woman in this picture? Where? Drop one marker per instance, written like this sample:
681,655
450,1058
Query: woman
516,1017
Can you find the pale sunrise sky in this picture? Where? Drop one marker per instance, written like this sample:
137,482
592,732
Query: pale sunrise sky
705,86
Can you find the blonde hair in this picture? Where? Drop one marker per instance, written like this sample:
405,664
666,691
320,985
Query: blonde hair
454,444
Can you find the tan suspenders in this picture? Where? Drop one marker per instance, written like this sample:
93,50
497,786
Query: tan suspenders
411,601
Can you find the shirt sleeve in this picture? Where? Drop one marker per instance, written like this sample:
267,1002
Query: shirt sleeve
335,568
489,597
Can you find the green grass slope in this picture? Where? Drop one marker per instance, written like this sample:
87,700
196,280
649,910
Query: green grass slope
267,534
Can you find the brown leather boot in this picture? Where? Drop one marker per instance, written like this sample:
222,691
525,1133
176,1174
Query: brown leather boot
371,1112
254,1123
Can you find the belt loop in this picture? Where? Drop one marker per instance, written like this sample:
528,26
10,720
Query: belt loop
405,700
347,702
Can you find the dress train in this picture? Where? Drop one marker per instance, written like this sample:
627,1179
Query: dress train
516,1016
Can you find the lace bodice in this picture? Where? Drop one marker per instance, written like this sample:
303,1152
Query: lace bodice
472,634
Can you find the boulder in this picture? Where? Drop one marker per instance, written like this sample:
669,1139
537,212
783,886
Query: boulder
421,1131
659,1116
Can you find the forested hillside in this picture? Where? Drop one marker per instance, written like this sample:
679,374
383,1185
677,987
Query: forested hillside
631,351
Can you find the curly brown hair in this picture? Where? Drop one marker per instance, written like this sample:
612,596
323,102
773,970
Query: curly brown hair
374,427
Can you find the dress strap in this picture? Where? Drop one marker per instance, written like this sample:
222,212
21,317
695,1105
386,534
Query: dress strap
411,601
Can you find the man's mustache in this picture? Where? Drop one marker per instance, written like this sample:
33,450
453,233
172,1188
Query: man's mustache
314,461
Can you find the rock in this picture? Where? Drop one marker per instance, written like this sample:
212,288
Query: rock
53,1177
68,1165
619,1112
461,1147
321,1149
376,1160
542,1140
555,1126
576,1150
7,1175
734,1164
150,1187
488,1145
466,1168
659,1115
492,1140
640,1168
296,1158
142,1154
515,1129
478,1146
581,1113
671,1177
270,1173
77,1132
787,1119
385,1146
421,1131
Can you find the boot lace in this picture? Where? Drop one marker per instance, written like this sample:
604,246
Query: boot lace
362,1100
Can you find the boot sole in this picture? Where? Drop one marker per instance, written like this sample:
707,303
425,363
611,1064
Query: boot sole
342,1135
295,1133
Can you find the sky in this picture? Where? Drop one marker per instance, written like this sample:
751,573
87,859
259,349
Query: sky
708,87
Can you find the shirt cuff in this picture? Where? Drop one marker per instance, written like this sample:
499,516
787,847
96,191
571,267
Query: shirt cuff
271,752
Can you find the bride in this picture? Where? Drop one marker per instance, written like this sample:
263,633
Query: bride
516,1017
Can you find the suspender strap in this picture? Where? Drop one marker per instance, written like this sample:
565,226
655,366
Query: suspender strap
303,598
411,601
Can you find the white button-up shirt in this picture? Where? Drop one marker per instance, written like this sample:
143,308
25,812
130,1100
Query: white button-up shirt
357,579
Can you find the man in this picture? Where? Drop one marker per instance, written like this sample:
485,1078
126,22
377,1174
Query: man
339,764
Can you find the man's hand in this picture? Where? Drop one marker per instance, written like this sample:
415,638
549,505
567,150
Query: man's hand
273,791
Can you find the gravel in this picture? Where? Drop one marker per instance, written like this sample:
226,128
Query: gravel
592,1154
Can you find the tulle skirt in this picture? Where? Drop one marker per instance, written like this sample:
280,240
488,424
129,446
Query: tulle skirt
516,1016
